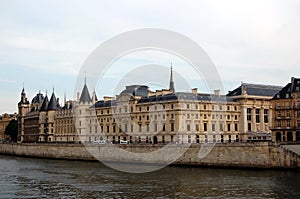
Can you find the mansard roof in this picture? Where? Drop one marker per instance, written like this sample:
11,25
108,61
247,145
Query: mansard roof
171,97
286,91
256,90
45,104
85,95
52,105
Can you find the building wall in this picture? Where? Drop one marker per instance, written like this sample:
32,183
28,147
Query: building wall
258,155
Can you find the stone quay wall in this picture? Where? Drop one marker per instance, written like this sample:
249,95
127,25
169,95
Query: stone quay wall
247,155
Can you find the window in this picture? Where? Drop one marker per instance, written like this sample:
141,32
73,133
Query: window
205,117
155,127
236,127
228,108
249,114
213,127
213,116
298,113
221,127
288,114
266,113
147,127
279,124
172,126
188,127
205,126
196,116
288,123
298,124
228,117
228,127
287,105
249,126
188,116
188,106
107,129
204,106
172,106
257,115
140,127
131,127
220,107
213,107
278,114
197,127
114,128
164,127
196,106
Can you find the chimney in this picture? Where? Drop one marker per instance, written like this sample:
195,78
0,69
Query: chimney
78,96
195,91
217,92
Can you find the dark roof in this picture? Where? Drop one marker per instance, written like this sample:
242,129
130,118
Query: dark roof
255,89
38,98
136,90
170,97
45,104
286,91
85,95
52,105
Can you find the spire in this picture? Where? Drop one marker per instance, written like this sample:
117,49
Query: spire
171,85
52,105
45,104
85,95
94,97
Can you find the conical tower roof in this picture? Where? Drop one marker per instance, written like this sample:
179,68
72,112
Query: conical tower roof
45,103
53,103
85,95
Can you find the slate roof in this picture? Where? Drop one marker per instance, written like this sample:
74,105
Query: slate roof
85,95
170,97
286,91
45,104
136,90
52,105
38,98
256,89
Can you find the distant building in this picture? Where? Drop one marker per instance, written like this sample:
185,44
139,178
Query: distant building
286,116
4,120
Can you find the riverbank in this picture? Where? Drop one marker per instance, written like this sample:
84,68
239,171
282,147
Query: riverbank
243,155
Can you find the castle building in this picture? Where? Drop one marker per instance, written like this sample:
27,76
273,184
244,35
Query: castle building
139,115
286,117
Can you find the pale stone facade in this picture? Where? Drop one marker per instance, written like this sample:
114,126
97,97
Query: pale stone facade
138,115
4,120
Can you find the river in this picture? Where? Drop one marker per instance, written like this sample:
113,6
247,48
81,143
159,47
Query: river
44,178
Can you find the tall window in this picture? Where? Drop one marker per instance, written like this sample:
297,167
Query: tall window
140,127
221,126
197,127
205,126
147,127
188,127
288,123
288,113
279,124
213,127
228,127
249,126
236,127
172,126
249,114
155,127
257,115
266,113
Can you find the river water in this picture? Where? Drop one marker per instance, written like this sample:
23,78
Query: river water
41,178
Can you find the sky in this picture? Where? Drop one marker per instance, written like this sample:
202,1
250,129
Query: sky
43,44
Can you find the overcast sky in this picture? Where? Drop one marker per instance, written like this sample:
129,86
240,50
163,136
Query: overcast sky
43,44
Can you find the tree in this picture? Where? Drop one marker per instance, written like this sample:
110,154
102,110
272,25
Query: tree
12,130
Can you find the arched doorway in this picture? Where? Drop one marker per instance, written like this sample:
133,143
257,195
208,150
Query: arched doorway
289,136
278,137
155,140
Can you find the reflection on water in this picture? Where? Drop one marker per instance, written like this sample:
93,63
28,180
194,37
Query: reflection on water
39,178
